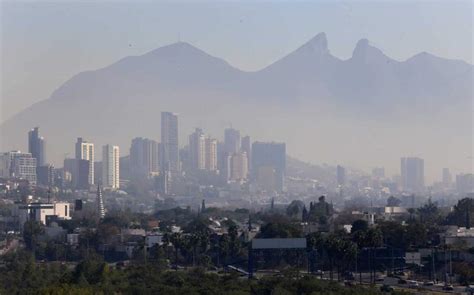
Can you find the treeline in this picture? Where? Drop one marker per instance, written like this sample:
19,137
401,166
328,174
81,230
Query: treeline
21,275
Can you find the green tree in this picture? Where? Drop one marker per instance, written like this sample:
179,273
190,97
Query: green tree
279,230
393,202
31,231
462,214
429,213
294,209
177,241
359,225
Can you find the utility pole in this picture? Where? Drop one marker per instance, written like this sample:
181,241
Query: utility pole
393,262
450,266
144,251
445,265
369,264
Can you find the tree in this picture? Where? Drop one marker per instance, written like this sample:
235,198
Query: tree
279,230
429,213
176,240
462,214
394,234
416,234
411,211
359,225
393,202
224,248
91,269
233,232
31,231
295,208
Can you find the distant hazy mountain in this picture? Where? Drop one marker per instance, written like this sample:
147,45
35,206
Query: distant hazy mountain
325,108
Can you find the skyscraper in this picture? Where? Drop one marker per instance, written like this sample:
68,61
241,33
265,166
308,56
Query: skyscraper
85,151
5,163
197,150
246,147
45,175
269,155
111,166
231,140
169,141
446,177
340,175
412,174
211,154
378,172
239,166
144,157
465,183
36,146
19,165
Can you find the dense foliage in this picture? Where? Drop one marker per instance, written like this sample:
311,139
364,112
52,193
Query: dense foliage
20,275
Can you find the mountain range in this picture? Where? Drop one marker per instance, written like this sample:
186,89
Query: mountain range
367,110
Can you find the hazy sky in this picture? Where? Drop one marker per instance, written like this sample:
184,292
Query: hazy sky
43,44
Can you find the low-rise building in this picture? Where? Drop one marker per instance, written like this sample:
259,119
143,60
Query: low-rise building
460,236
41,212
153,239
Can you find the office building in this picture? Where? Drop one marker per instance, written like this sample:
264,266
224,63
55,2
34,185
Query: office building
269,155
144,157
111,166
246,146
211,154
163,183
169,142
36,146
446,178
239,166
45,175
41,212
231,140
77,172
5,165
85,151
197,150
465,183
340,175
22,166
412,174
378,172
266,177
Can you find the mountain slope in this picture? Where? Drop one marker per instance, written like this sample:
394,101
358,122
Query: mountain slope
309,91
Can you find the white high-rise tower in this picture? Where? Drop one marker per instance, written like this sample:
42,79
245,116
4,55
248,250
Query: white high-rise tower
111,166
85,151
197,150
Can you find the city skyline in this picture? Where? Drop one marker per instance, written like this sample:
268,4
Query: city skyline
232,143
237,147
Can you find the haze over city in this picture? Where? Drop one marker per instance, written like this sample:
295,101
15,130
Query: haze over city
191,147
378,138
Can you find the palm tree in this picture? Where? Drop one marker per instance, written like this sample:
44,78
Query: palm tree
412,212
316,242
177,240
333,247
194,241
373,240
